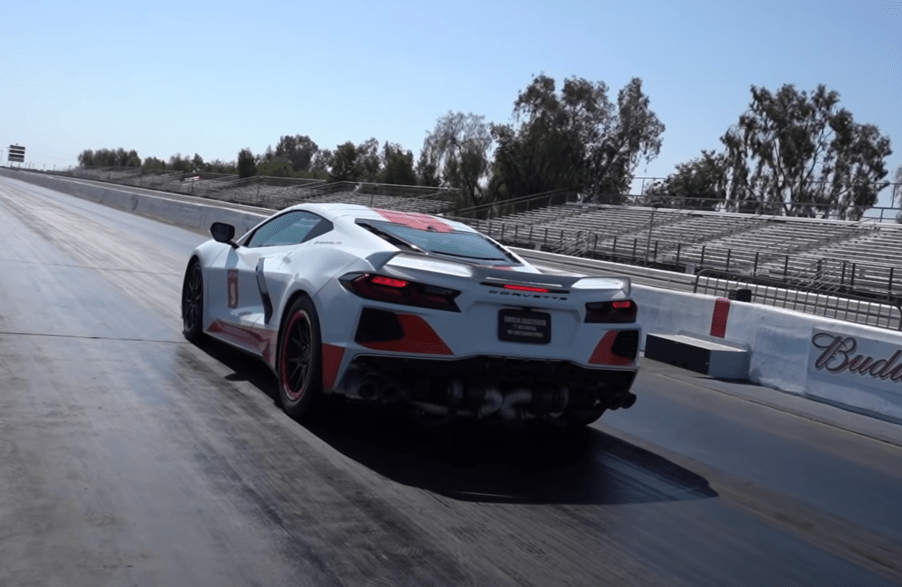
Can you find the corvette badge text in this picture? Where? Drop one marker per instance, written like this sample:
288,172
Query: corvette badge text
515,294
840,353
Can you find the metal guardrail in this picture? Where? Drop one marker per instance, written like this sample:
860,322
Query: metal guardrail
848,306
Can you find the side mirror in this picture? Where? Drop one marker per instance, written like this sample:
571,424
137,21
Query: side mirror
223,233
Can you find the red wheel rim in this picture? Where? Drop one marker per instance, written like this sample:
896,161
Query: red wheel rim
297,355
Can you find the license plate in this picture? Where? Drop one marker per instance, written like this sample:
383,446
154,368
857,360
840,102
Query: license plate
519,326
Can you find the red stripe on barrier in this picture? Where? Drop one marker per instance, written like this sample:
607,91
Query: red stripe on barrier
719,320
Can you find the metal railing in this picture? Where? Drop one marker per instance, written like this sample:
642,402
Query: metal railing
519,205
842,275
859,307
757,207
850,306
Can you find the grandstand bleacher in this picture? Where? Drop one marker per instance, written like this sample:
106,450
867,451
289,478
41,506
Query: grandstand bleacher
860,254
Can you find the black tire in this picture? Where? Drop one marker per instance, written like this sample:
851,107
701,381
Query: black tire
193,302
299,363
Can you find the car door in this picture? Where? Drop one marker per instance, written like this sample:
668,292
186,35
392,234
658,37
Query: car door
266,247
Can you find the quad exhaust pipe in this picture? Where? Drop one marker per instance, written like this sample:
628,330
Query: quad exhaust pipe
369,386
622,400
515,405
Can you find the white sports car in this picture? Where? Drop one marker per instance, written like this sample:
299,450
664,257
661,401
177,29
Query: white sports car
414,310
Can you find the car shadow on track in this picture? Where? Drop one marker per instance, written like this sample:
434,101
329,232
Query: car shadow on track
497,465
488,464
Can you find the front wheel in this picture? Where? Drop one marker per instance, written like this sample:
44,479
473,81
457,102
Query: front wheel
193,302
300,359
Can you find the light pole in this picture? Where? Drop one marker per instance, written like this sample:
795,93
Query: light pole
651,226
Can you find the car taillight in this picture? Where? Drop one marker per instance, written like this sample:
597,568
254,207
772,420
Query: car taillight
620,311
401,291
388,281
525,288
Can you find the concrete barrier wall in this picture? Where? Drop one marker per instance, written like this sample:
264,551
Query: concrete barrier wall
663,311
783,354
195,213
780,340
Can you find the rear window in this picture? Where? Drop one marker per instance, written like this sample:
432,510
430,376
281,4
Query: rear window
468,245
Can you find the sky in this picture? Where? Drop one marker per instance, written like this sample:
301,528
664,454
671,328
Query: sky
211,78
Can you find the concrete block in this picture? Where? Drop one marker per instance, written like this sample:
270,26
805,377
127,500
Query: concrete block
717,358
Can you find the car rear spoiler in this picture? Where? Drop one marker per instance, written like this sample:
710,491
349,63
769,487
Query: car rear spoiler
502,276
492,275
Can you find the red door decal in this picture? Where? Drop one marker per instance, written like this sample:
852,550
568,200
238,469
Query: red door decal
233,288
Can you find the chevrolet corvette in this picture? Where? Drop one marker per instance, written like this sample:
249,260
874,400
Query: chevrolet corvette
414,310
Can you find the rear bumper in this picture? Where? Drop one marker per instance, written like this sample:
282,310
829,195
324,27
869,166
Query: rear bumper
504,372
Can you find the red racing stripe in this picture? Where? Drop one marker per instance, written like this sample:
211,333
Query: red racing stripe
419,337
415,220
258,338
332,356
602,355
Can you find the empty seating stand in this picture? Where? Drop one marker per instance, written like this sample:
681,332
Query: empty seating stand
778,246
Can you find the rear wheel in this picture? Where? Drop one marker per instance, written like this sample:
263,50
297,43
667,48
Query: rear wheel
193,302
300,359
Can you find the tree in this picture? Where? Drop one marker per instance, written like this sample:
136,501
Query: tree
109,158
368,161
699,184
247,165
350,162
179,163
298,150
219,166
803,155
397,165
86,158
152,163
321,164
460,146
427,169
575,140
634,136
344,163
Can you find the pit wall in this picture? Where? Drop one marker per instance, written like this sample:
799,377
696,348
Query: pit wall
850,365
196,213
